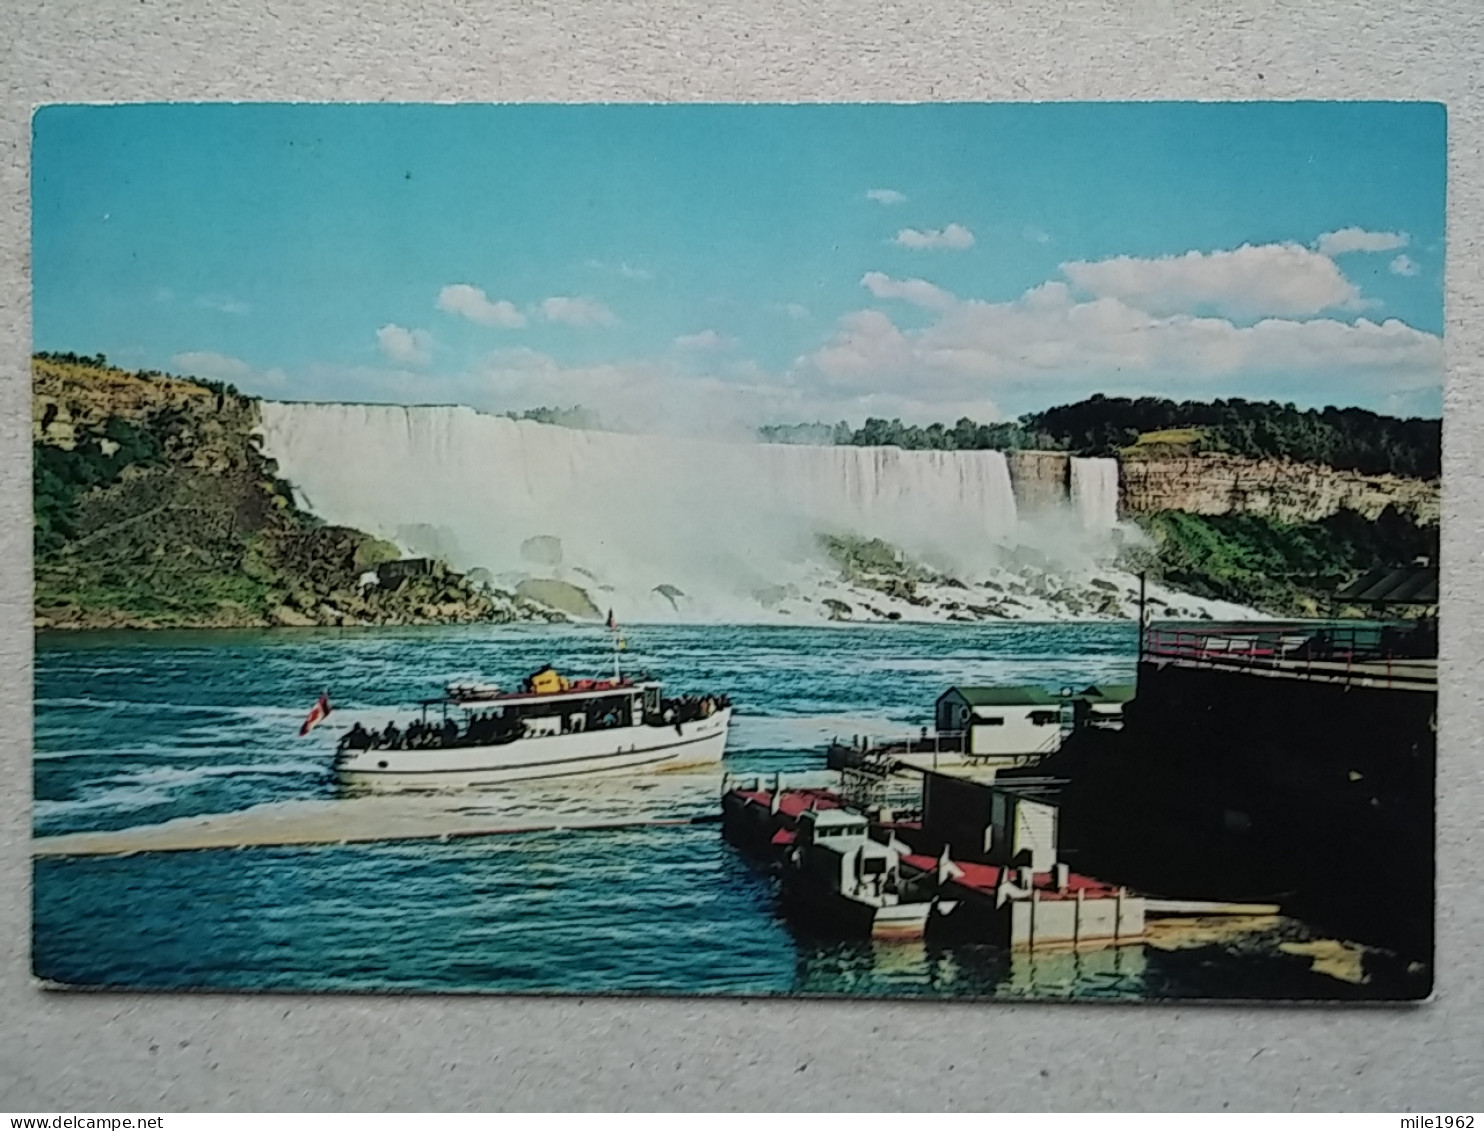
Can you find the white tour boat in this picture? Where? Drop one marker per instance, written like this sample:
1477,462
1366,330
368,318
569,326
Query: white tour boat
552,727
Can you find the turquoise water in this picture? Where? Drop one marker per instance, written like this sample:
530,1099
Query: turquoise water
138,728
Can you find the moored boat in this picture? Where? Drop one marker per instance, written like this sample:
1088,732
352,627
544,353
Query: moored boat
836,875
552,727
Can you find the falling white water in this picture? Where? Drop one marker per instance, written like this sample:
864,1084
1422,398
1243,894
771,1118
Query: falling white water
719,522
1094,491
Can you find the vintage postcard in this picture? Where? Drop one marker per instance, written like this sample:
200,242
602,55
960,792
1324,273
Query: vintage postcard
958,551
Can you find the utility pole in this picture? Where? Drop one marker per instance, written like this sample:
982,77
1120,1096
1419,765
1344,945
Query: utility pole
1143,620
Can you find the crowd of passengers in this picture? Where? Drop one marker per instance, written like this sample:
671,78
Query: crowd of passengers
487,727
419,735
690,707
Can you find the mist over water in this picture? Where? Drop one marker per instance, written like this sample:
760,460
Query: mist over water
720,522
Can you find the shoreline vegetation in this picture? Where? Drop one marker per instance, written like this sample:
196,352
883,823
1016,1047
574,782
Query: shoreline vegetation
156,508
1346,439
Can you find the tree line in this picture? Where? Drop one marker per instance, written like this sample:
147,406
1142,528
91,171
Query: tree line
1347,438
100,361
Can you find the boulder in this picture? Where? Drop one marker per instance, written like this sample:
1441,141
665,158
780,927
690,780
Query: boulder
371,553
286,617
839,610
561,596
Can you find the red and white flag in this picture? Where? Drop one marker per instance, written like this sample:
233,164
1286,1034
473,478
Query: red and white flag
317,714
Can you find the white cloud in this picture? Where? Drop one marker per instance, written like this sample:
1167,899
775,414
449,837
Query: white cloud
219,367
919,292
216,366
1346,240
955,237
1403,265
886,196
577,311
1426,400
472,303
1035,234
796,310
628,271
223,304
638,395
705,340
1252,281
406,347
1047,335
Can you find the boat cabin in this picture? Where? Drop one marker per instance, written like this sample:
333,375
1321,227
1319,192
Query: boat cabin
837,853
1001,721
551,704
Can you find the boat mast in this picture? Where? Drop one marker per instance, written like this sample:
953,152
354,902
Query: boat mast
613,634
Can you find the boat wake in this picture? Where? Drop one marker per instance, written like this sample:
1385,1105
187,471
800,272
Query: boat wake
678,797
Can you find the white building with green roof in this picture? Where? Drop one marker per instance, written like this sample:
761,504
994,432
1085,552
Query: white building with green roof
1002,721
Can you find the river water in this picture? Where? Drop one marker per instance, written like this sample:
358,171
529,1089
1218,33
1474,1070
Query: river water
138,728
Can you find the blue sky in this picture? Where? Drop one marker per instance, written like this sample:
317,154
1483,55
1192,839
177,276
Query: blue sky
732,265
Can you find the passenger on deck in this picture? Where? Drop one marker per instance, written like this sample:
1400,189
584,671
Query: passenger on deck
355,738
481,728
449,733
391,737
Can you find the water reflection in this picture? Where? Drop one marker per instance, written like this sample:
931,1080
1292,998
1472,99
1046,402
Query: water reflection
869,967
1111,971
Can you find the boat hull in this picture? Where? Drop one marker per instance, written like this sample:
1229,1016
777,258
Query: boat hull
623,750
839,915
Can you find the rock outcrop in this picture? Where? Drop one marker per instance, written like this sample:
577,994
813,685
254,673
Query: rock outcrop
1040,480
155,508
1219,484
560,595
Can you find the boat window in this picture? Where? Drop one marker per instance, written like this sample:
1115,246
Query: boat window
990,721
1045,718
874,866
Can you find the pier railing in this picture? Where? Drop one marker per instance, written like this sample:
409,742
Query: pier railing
1363,653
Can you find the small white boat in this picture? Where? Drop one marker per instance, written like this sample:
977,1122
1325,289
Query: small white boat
837,876
553,727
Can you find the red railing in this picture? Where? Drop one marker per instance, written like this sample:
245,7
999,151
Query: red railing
1389,654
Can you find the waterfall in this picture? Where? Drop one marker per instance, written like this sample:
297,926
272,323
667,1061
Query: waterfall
1094,492
716,521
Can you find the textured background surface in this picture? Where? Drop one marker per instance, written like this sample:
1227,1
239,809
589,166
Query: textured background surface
117,1052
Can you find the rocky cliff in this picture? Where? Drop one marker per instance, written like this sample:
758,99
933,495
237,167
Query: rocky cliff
1040,480
1283,490
155,508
